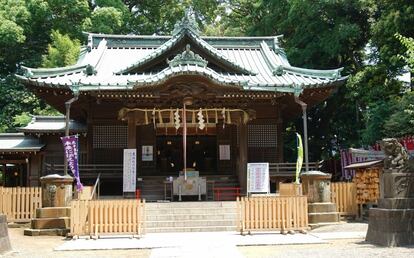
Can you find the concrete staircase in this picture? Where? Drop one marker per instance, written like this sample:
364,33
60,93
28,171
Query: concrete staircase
190,217
50,221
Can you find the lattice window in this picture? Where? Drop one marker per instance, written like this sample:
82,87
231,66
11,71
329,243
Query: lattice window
110,136
262,135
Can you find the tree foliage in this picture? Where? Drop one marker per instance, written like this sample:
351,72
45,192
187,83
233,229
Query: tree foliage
62,51
355,34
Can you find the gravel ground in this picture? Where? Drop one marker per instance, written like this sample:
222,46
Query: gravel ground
42,247
335,249
26,246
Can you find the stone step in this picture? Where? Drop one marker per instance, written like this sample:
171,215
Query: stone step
179,217
190,211
324,217
50,223
53,212
321,207
191,229
189,223
198,204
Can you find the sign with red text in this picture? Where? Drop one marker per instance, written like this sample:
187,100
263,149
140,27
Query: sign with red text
258,178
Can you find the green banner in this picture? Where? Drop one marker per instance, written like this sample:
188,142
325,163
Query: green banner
299,162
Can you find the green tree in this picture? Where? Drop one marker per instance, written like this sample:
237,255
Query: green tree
317,34
62,51
401,122
408,56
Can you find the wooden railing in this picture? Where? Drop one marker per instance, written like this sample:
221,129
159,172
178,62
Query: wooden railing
344,195
89,170
289,169
226,193
19,204
98,217
272,213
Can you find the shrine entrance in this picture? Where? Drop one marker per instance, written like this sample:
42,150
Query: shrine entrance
201,154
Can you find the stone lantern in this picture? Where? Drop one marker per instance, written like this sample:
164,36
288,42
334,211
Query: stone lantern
56,190
317,186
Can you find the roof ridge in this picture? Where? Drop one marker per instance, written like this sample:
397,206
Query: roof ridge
134,36
329,73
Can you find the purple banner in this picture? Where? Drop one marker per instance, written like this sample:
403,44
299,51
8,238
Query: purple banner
70,145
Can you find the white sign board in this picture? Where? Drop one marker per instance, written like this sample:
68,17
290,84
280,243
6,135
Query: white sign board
130,170
258,178
147,153
224,152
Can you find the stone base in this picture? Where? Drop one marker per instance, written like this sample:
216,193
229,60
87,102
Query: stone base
46,232
396,203
4,235
50,223
391,227
322,213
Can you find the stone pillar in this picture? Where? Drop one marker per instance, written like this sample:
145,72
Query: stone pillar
392,222
4,235
56,190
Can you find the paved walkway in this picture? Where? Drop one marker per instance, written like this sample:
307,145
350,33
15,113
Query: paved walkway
203,244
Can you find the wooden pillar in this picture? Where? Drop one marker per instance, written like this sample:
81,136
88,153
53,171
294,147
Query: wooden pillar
242,164
4,173
279,139
132,131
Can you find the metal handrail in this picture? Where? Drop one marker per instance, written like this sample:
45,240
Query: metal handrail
96,186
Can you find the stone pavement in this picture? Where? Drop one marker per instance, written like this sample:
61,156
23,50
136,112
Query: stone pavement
202,244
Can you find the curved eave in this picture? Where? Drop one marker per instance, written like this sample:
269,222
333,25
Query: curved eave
45,131
34,82
173,41
169,73
49,72
22,150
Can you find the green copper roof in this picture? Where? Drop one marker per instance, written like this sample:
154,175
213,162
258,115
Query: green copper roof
18,142
114,62
52,124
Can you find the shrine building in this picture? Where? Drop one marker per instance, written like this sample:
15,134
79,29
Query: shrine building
232,96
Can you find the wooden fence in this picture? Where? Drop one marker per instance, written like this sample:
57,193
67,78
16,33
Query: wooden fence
98,217
272,213
19,204
344,195
290,189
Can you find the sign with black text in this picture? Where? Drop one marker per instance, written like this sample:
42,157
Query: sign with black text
130,170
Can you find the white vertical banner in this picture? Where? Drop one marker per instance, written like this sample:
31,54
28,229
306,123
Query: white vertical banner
258,178
130,170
